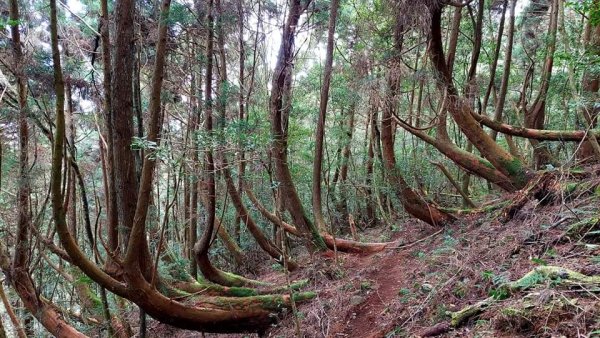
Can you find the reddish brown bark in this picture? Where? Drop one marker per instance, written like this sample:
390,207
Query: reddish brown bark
279,106
535,134
536,114
202,246
462,112
590,84
413,203
265,243
332,243
506,71
122,116
213,314
320,133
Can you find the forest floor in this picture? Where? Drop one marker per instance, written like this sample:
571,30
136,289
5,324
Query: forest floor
410,288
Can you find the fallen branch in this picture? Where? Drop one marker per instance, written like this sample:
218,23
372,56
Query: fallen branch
536,276
542,188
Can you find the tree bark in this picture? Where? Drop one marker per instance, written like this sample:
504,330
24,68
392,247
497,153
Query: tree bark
202,246
279,106
590,83
122,117
506,71
112,214
536,114
414,204
320,133
462,113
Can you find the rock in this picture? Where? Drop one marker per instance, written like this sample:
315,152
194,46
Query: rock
355,300
426,287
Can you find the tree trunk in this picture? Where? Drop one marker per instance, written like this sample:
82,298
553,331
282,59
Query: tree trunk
506,71
414,204
320,133
536,114
590,83
122,116
462,113
112,214
280,105
241,107
202,246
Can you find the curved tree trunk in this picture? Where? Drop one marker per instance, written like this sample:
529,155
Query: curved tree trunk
462,113
414,204
262,240
535,115
279,105
590,84
212,314
202,246
332,243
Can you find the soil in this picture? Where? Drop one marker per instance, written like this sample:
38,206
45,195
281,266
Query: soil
409,289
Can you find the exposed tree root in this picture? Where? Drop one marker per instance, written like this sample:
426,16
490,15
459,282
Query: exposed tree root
536,276
544,188
224,278
210,289
343,245
436,330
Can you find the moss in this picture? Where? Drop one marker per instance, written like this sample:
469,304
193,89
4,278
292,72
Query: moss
457,318
96,302
496,206
302,296
279,302
84,284
584,225
299,284
570,188
171,291
318,239
241,292
235,280
516,171
540,274
486,163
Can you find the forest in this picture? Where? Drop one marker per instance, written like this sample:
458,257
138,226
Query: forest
299,168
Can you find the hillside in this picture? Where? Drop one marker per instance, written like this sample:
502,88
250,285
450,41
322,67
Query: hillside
526,268
316,168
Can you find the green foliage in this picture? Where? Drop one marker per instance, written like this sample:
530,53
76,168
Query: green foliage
7,22
499,293
180,14
590,8
539,261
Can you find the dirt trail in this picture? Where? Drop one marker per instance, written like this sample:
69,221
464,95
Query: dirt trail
385,275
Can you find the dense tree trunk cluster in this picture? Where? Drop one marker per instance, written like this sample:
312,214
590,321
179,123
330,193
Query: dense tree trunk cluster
208,146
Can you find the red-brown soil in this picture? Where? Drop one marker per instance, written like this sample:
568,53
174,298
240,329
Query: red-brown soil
404,291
